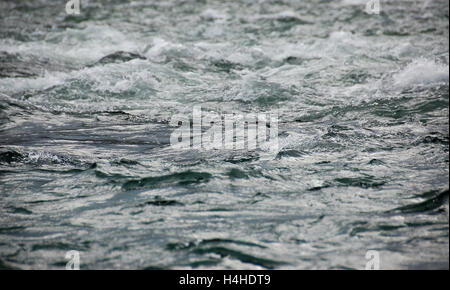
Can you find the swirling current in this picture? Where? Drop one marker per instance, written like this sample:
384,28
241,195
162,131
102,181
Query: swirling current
86,162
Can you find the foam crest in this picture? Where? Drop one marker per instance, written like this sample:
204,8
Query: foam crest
422,72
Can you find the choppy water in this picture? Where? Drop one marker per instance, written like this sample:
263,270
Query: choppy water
85,161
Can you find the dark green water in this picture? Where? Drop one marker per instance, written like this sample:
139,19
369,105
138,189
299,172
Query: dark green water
86,163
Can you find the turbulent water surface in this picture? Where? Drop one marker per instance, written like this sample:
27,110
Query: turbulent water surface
85,156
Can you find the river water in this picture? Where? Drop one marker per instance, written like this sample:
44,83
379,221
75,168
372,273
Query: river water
86,163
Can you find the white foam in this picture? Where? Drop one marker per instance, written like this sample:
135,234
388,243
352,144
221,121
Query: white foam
286,14
49,79
213,15
162,48
355,2
422,72
79,45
